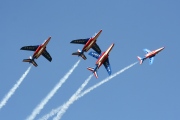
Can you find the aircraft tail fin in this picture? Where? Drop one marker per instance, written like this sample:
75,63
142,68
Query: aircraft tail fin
94,71
140,59
79,53
30,60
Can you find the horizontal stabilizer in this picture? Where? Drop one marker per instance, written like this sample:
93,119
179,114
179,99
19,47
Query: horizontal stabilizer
79,53
140,59
94,71
27,60
34,63
30,61
76,53
91,69
83,56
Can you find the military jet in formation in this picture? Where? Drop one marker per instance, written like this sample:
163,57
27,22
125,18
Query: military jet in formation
88,43
102,59
39,50
150,55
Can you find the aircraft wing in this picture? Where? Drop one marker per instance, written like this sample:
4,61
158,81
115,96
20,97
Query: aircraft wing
96,48
107,66
47,55
80,41
94,54
146,51
151,60
30,48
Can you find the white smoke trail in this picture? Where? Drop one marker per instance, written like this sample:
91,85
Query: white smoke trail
51,93
105,80
54,111
66,105
13,89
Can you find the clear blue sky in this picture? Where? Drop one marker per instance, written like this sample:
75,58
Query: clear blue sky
141,93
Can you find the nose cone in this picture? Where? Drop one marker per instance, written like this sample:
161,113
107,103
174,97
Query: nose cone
162,48
110,48
100,31
112,45
97,35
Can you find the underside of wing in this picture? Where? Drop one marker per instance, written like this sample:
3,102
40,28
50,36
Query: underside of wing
80,41
96,48
94,54
107,66
151,60
30,48
47,55
146,51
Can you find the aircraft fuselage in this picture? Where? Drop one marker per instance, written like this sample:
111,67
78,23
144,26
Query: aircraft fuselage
91,42
153,53
104,56
40,49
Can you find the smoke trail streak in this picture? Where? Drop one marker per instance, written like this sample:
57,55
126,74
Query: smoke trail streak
54,111
66,105
51,93
105,80
13,89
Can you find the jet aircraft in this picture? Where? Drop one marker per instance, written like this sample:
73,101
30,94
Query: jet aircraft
150,55
88,43
102,59
39,50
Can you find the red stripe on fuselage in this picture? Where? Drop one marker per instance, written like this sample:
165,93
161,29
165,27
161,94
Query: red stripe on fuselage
153,53
38,51
150,54
89,44
41,48
101,59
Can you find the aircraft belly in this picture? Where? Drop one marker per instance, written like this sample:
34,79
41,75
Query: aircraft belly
39,53
101,60
150,55
88,46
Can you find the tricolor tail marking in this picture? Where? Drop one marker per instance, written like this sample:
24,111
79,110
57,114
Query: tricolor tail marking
140,59
94,71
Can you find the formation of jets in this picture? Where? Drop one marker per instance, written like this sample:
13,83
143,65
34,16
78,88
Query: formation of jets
102,58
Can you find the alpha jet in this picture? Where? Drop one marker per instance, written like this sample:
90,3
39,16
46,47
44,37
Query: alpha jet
150,55
102,59
88,43
39,50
